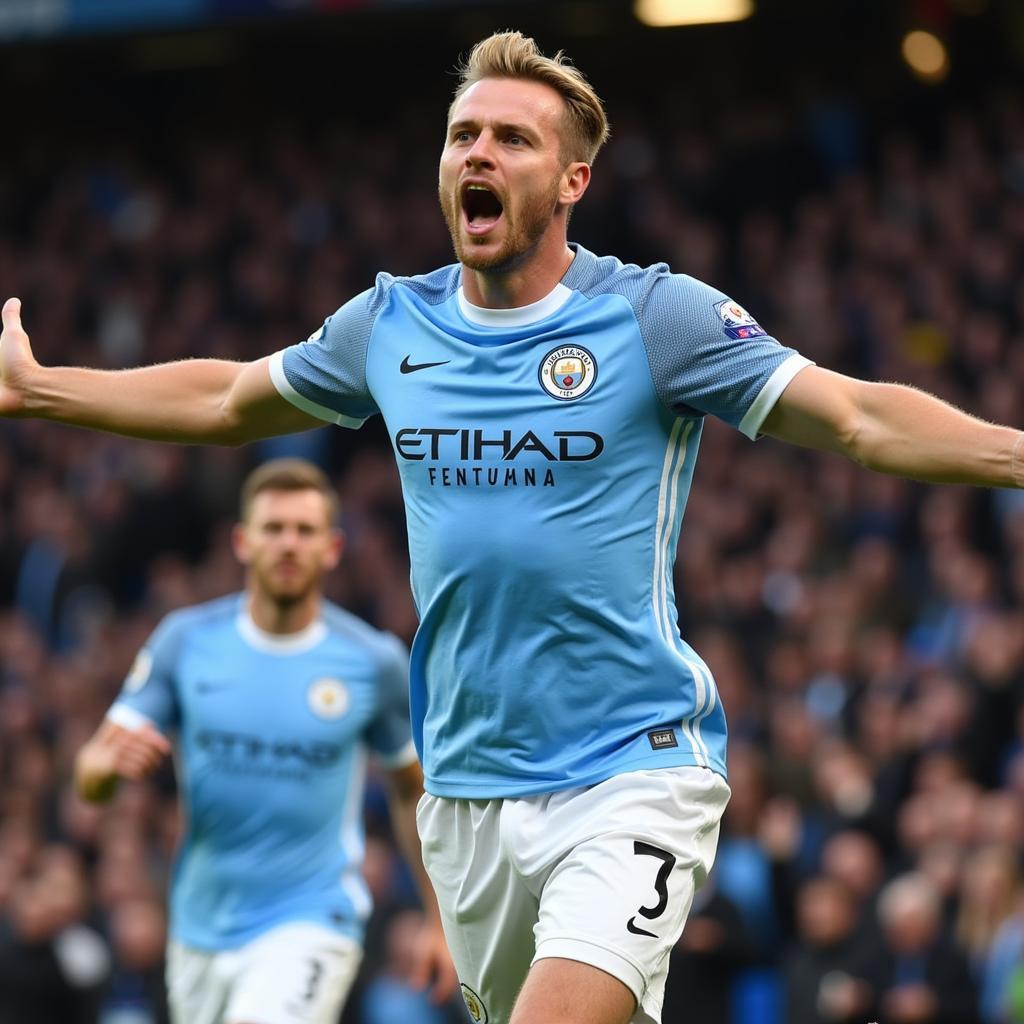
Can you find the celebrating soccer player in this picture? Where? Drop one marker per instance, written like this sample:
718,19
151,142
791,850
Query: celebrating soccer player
275,696
545,406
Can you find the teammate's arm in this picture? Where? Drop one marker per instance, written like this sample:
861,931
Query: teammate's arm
434,963
212,401
895,429
116,753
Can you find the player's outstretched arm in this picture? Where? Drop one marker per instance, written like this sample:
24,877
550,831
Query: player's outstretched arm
194,401
434,965
116,753
895,429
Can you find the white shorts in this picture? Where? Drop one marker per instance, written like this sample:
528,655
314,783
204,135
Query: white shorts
604,875
297,973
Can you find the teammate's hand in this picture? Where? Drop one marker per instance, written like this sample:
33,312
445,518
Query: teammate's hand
17,364
433,964
127,753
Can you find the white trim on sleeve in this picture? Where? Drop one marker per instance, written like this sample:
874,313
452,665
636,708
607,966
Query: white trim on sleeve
770,393
286,391
129,718
402,757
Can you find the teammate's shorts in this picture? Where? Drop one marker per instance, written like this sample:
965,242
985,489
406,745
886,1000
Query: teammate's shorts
296,973
604,875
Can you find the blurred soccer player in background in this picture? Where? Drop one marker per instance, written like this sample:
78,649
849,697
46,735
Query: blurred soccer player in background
545,407
274,696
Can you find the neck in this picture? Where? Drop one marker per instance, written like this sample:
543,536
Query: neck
524,283
273,616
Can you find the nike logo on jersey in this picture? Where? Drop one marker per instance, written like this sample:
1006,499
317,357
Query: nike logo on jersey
408,367
205,687
630,927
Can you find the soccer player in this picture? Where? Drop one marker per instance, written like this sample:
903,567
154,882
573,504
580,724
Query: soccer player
275,697
545,407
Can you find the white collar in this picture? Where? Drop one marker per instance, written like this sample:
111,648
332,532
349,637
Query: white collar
518,316
280,643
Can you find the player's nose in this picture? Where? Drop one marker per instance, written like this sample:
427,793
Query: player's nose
481,152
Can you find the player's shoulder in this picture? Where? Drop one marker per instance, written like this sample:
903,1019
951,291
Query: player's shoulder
608,275
350,629
175,629
220,610
431,289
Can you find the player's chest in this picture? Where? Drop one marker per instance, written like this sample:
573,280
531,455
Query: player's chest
252,698
560,394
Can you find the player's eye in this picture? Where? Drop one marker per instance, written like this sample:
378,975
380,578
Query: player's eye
461,137
516,140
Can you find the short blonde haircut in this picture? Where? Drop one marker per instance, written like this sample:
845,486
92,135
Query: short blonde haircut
288,475
513,55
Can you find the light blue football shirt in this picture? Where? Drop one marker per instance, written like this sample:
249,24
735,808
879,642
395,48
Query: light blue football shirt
272,739
546,454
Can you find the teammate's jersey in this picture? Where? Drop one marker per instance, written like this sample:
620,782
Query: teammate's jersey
546,454
272,737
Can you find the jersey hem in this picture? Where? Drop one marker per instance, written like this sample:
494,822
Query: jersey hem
206,944
466,791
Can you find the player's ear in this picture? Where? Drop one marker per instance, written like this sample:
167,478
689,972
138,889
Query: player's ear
240,543
575,179
335,550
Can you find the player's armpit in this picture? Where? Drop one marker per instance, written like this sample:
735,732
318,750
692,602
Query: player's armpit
254,408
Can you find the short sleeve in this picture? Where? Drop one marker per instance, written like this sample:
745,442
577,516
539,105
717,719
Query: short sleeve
389,733
709,355
325,375
149,692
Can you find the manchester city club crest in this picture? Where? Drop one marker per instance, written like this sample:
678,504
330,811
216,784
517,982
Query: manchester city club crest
328,698
477,1010
568,372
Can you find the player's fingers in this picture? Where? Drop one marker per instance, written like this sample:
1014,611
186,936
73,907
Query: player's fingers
12,314
155,739
139,760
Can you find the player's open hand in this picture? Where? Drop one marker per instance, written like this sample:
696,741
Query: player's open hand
128,753
433,966
16,361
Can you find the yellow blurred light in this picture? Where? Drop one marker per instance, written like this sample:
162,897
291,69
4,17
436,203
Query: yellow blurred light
926,54
663,13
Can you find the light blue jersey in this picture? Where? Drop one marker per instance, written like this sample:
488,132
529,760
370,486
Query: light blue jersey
272,737
546,454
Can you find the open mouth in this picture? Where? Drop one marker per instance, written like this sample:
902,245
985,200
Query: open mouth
481,207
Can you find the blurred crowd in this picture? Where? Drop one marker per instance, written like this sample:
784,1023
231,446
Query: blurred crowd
866,633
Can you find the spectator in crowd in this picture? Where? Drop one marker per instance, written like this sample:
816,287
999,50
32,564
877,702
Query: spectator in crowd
919,976
53,965
826,971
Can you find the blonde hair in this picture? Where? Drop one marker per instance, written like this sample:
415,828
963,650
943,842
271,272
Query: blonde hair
513,55
288,475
